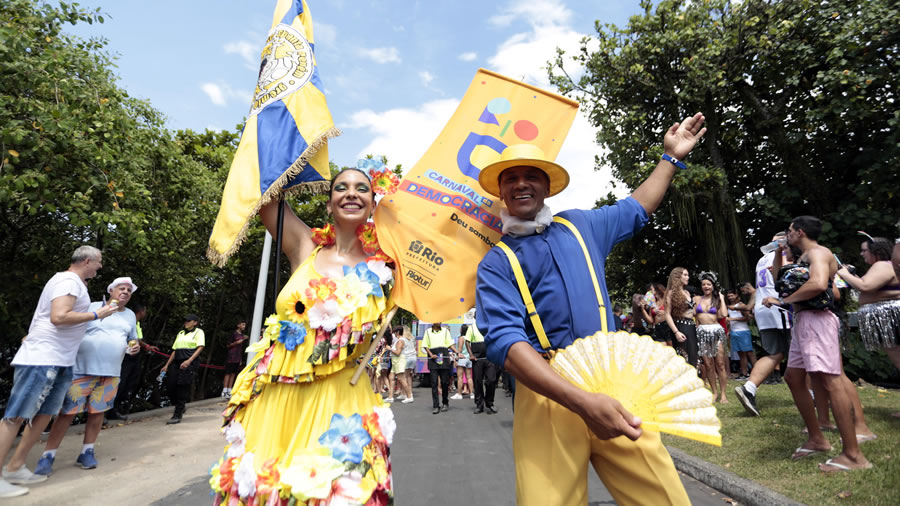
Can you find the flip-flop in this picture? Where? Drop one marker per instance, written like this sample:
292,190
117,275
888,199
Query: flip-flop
823,428
862,438
801,452
841,467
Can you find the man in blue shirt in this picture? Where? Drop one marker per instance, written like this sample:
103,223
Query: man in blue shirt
558,427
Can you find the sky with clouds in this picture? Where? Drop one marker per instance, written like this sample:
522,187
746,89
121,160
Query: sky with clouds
393,71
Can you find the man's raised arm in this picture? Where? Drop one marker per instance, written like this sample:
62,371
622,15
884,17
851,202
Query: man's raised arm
677,143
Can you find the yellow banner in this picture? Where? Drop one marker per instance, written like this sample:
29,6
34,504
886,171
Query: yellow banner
440,223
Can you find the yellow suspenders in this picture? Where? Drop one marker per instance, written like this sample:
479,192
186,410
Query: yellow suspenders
526,293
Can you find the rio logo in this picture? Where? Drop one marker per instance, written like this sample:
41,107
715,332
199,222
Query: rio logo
427,253
496,113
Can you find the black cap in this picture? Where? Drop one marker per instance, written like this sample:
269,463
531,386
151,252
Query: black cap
191,316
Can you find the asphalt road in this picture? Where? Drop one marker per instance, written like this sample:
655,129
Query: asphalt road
454,458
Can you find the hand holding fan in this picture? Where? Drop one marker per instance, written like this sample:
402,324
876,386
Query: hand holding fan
648,378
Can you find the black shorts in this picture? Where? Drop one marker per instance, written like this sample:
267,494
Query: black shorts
775,341
662,333
232,367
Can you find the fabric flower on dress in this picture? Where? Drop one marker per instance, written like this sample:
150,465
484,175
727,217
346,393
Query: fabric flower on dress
268,478
325,315
321,290
245,476
273,328
380,268
310,475
296,307
352,293
384,182
346,437
236,437
292,334
350,489
324,236
386,422
226,475
370,422
365,275
368,237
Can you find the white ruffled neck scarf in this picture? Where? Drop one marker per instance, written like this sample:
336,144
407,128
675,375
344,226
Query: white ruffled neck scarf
517,227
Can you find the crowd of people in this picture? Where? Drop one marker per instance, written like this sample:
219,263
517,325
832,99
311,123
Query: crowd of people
82,358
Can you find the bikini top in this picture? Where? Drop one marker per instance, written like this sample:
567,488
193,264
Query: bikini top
699,309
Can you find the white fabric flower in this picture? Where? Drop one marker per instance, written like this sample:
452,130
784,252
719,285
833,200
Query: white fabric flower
380,268
386,422
245,476
325,315
236,437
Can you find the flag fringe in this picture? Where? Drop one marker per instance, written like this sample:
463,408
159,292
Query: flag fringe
275,190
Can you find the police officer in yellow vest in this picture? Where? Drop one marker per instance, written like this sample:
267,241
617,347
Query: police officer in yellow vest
484,372
537,292
179,369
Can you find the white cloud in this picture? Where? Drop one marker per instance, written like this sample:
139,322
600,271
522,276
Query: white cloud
247,51
403,135
381,54
325,33
469,56
221,94
534,12
426,77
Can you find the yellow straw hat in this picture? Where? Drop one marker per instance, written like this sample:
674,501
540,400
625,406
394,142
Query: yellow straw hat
523,155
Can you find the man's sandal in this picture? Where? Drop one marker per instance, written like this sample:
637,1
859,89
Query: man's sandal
801,452
840,468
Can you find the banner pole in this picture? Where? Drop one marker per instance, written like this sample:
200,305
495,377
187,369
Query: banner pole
375,340
256,323
276,286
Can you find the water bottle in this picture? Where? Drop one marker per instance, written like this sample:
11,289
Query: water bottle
768,248
161,377
440,359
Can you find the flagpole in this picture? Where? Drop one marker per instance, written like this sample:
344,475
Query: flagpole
278,229
256,323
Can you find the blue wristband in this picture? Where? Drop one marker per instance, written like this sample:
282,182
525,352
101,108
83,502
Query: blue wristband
95,315
676,162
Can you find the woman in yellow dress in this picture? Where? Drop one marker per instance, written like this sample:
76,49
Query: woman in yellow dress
298,432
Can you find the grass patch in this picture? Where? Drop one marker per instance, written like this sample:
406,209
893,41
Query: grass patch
759,449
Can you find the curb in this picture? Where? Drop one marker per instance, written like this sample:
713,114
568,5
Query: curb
741,489
133,417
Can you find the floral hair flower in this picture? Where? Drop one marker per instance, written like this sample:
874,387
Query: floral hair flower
346,438
321,289
369,164
368,237
384,182
325,315
296,310
324,236
292,334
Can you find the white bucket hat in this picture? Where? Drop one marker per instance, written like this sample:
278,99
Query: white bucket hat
121,281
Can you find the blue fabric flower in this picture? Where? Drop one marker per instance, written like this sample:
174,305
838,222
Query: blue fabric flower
366,276
346,438
292,334
369,164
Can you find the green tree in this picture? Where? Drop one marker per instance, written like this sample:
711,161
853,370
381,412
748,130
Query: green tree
800,99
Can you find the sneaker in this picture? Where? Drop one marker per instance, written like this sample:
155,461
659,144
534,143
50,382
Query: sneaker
113,415
86,460
44,465
471,396
456,397
175,419
407,400
7,489
22,477
389,399
445,408
747,399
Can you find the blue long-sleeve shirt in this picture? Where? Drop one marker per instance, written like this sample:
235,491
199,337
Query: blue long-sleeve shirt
558,277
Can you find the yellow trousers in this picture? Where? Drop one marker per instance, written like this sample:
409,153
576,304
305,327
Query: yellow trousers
553,446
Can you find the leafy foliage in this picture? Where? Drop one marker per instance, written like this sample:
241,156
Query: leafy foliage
800,99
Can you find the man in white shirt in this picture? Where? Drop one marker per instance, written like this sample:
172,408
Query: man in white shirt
774,331
43,364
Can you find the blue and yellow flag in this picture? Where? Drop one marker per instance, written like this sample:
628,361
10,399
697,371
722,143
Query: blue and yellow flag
284,143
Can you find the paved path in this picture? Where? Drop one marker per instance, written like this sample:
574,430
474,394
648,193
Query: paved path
147,462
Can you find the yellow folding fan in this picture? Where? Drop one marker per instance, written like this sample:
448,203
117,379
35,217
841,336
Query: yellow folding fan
648,378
